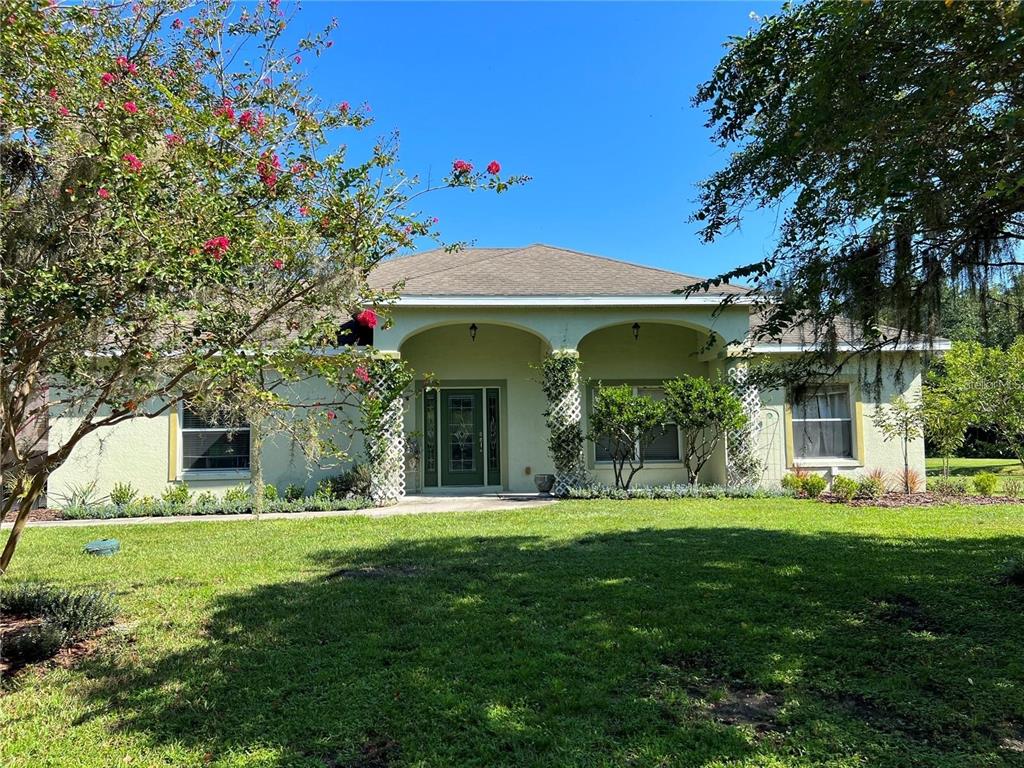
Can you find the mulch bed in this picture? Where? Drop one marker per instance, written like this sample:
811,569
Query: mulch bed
924,499
45,513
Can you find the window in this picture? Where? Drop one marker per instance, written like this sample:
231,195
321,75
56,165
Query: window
823,425
209,445
664,447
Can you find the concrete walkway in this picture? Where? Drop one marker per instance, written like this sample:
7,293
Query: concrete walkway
410,505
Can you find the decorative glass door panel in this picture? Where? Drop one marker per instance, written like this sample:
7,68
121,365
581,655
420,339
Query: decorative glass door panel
462,437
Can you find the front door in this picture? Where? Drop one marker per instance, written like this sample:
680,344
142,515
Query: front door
462,437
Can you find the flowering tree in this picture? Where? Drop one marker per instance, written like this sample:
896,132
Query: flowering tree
179,216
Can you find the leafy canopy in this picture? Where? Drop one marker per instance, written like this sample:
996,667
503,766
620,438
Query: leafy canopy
890,136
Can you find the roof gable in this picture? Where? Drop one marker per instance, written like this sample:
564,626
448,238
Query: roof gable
535,270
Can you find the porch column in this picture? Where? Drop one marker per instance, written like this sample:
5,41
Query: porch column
385,440
742,463
564,418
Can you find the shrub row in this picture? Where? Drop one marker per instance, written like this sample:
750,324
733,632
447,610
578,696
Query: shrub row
209,506
67,617
982,484
678,491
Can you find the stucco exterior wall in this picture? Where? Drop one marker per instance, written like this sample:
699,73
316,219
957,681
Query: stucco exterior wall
900,375
509,342
146,453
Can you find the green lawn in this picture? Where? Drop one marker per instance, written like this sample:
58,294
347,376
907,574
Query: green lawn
586,634
970,467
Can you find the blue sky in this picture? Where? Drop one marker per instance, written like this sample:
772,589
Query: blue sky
590,99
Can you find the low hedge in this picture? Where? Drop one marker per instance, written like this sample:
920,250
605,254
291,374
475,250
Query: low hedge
679,491
165,508
67,618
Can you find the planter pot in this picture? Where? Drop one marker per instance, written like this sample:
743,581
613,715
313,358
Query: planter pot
544,482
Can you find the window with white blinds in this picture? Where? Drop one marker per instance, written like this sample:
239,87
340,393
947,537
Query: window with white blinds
212,445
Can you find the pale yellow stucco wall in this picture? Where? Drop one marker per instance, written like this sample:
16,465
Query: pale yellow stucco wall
901,374
509,341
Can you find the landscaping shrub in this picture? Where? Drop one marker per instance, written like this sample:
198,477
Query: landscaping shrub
1013,487
353,482
294,492
178,493
67,617
910,480
214,506
237,493
985,483
879,478
794,481
844,488
948,486
270,492
678,491
814,485
122,494
870,486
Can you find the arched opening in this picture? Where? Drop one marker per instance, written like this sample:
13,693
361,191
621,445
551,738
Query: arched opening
644,355
476,416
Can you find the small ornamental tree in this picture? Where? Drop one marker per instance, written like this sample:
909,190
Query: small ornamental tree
626,423
705,411
179,214
901,420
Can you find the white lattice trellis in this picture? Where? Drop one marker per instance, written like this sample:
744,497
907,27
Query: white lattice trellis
742,463
385,448
564,419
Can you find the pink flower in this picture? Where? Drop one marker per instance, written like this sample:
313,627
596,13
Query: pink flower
298,167
173,140
217,246
434,220
298,59
225,110
246,119
130,107
177,24
63,111
362,374
53,94
343,107
101,104
461,167
330,415
123,63
368,318
304,210
277,264
494,167
267,168
134,164
108,78
104,193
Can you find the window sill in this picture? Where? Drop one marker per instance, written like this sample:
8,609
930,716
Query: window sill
825,461
214,474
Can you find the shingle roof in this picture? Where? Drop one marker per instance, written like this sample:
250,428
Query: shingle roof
535,270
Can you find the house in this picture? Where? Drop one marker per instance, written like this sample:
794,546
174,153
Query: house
475,325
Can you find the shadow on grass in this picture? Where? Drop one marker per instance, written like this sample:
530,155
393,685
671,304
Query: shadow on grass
607,650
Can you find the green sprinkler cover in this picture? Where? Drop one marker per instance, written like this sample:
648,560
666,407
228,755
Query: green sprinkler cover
104,547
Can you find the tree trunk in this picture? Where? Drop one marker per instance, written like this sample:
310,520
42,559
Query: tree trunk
256,468
24,508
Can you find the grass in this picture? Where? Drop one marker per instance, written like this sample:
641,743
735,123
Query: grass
585,634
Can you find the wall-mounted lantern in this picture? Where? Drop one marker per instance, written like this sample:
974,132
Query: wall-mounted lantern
472,332
636,331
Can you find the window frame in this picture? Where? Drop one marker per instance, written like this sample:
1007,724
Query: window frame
208,474
607,463
855,419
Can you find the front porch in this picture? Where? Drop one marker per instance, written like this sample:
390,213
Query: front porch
474,419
